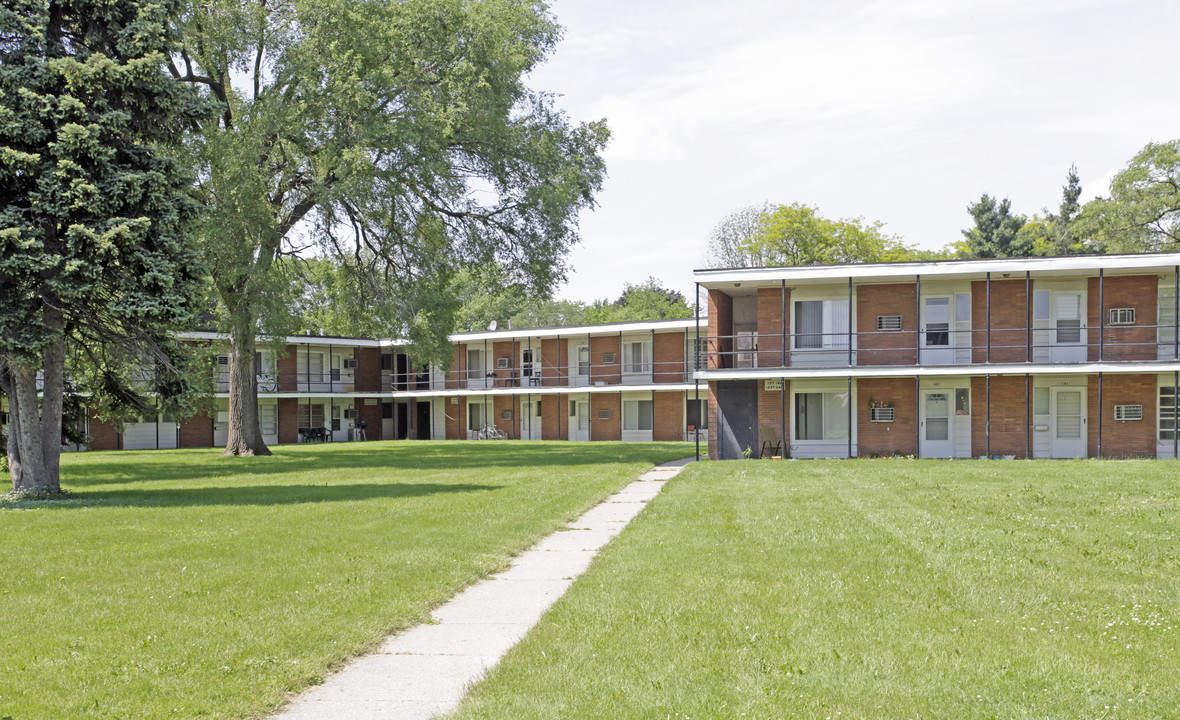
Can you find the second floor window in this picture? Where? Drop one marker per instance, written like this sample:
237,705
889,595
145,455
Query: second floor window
636,357
821,325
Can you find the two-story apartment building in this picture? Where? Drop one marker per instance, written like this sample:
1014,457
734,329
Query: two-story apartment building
1017,357
617,381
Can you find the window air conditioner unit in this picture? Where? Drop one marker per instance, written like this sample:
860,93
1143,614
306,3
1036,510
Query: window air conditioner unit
502,363
350,363
350,413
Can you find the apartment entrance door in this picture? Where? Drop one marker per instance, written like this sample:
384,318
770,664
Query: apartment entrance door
1067,339
530,421
938,440
580,419
1067,422
737,419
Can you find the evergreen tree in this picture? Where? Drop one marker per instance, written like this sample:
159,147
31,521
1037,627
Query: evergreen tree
92,215
997,231
1064,231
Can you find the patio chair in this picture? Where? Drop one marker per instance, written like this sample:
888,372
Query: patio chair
770,442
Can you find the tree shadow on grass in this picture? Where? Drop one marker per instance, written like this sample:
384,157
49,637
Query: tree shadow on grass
253,495
464,459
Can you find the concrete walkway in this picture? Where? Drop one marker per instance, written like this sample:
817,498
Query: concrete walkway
426,670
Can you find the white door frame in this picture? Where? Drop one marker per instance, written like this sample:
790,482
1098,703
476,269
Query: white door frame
579,423
937,448
941,354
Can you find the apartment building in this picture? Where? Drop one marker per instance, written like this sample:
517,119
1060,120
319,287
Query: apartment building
618,381
1062,357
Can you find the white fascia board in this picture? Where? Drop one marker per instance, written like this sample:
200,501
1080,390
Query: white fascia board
887,272
551,390
519,334
909,371
313,396
290,339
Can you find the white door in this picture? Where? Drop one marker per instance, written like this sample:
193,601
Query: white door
937,430
1067,338
1067,422
580,420
936,331
530,424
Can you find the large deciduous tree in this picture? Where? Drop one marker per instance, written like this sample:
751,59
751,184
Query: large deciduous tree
799,234
1142,213
399,137
92,216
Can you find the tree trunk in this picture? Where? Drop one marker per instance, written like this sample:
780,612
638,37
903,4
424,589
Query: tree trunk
33,475
53,382
245,432
12,445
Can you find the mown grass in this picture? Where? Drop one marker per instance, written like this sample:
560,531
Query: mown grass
181,584
871,589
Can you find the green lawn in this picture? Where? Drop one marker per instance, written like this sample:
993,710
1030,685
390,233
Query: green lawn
181,584
871,589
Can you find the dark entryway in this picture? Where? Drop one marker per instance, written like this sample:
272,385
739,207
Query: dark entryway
401,425
423,420
737,418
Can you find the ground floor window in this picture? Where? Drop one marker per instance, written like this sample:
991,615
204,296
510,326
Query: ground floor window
637,414
821,416
310,416
1167,413
697,414
475,416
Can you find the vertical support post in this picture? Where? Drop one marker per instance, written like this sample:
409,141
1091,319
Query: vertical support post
156,406
486,364
850,329
331,411
590,365
307,355
987,423
1028,303
1027,418
783,320
782,416
1175,414
917,319
1176,316
918,411
851,417
1100,383
987,356
1101,320
696,360
651,370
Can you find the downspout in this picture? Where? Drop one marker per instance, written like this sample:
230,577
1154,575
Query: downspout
987,356
1101,340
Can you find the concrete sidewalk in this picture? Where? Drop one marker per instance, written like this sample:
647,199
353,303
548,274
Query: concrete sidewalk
426,670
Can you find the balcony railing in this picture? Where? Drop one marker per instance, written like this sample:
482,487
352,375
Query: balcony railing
943,346
540,375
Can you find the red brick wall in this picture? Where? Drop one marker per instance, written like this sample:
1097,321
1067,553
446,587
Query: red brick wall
1009,319
886,347
555,362
720,324
600,370
368,372
1126,438
887,438
371,414
456,419
611,429
1009,421
667,416
554,420
288,420
509,403
505,349
103,435
774,415
668,357
770,327
1123,342
196,432
288,366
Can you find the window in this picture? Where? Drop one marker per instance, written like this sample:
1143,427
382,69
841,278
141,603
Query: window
474,364
387,361
821,416
475,416
694,354
962,401
881,414
637,414
697,414
1167,413
1121,316
938,325
1128,412
888,322
1069,317
1041,305
316,418
386,411
636,357
583,361
1167,310
526,362
821,324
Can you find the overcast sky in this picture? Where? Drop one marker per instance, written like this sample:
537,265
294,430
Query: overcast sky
901,111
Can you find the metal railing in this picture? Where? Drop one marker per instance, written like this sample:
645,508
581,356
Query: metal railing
941,345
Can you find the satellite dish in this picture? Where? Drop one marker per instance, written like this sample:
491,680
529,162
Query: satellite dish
493,325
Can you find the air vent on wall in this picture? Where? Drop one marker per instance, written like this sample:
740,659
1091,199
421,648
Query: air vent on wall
608,358
1122,316
1128,412
604,414
889,322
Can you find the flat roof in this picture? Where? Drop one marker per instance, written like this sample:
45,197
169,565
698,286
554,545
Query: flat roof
977,267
